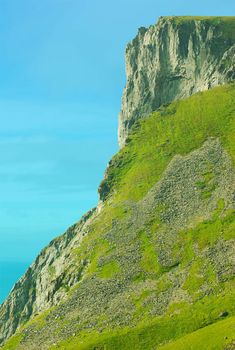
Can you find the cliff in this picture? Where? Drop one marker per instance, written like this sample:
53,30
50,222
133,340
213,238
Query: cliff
153,265
173,59
46,281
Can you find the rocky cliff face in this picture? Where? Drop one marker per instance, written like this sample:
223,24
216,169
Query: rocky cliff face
160,247
173,59
47,280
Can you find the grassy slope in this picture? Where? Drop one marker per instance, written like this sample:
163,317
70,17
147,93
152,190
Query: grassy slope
177,129
220,334
148,336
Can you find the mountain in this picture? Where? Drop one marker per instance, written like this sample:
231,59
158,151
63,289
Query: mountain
152,267
174,59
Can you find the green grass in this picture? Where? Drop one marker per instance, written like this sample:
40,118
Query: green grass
153,142
174,325
149,261
213,337
206,233
206,184
175,129
200,274
184,126
13,342
38,321
109,270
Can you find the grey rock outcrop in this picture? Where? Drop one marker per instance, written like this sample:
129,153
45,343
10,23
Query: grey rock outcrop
174,59
87,278
46,281
98,302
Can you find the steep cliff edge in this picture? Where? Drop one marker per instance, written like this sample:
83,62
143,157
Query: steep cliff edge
173,59
156,262
152,266
46,281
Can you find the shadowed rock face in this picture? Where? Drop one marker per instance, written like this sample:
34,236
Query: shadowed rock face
174,59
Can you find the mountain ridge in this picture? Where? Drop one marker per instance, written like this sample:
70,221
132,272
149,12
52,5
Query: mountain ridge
158,248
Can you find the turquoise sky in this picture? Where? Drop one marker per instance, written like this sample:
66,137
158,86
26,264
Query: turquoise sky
61,79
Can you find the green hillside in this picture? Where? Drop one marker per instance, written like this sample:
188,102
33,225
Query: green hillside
158,259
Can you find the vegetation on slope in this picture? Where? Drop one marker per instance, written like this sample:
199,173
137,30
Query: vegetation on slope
175,129
151,277
220,335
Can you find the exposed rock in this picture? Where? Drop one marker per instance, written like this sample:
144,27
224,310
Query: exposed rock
171,60
100,302
44,283
132,259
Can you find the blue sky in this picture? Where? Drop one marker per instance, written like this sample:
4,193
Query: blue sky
62,74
